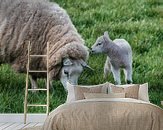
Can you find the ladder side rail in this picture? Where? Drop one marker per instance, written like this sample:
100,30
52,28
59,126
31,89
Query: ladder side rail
26,88
47,60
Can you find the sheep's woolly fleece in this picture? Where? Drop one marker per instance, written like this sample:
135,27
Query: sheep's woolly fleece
40,22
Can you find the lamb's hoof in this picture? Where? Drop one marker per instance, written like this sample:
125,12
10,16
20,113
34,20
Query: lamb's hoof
129,82
116,83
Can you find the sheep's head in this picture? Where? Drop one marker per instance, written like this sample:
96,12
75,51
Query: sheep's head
101,43
71,71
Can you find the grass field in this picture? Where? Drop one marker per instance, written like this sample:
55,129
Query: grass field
140,22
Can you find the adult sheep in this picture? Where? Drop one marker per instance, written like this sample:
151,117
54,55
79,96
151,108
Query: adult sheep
40,21
119,55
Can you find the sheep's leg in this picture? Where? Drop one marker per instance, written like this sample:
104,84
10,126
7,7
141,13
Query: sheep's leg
107,68
33,82
50,84
129,75
116,75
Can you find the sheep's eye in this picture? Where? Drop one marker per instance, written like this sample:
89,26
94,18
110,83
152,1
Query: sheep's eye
99,44
65,72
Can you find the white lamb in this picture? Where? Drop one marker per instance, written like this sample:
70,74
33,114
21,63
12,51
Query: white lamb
119,55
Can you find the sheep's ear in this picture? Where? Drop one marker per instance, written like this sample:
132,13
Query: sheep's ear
85,65
67,62
106,36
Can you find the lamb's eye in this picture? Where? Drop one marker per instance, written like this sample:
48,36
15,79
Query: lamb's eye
99,44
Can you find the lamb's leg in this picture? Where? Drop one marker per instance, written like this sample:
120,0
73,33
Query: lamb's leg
125,73
116,75
33,82
129,75
106,68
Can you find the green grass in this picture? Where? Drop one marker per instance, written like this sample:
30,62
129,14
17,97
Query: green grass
139,22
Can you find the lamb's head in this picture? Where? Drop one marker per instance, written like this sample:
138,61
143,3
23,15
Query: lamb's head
101,43
71,70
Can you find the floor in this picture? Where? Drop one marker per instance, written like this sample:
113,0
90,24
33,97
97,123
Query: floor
15,121
17,126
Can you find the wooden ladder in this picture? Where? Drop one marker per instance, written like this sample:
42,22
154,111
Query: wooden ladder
26,105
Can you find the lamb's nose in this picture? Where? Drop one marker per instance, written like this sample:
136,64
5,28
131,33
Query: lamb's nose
92,50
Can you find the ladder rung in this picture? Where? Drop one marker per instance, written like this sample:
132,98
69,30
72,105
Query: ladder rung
36,105
34,71
37,89
38,55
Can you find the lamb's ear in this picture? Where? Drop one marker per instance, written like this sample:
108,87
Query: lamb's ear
67,62
106,36
84,64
